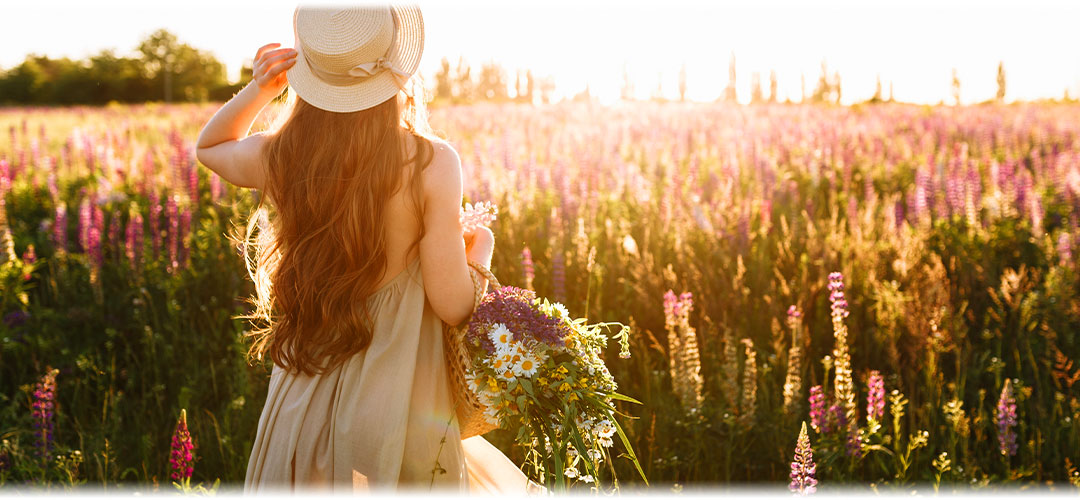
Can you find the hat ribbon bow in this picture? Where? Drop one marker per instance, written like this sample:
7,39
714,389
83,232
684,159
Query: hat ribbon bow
369,69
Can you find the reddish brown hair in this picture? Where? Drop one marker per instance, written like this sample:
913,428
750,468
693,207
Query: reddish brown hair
323,251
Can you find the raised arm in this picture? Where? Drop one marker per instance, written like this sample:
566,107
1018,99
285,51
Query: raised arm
443,251
224,145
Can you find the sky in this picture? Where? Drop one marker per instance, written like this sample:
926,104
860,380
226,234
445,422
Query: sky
914,44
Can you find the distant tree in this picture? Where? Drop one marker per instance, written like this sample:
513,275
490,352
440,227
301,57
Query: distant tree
955,87
729,91
756,94
802,87
877,90
890,92
493,85
836,85
682,83
658,92
772,86
824,89
1000,82
179,68
547,88
530,87
463,81
444,84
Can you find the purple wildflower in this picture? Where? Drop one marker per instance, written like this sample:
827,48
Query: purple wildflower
172,215
836,416
182,237
181,457
677,308
514,308
802,467
60,227
1005,418
875,400
155,222
527,263
84,224
16,318
1064,248
817,410
42,412
793,313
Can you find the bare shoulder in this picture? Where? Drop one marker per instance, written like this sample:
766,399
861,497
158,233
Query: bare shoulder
442,177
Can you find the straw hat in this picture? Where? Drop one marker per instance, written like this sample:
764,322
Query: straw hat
354,58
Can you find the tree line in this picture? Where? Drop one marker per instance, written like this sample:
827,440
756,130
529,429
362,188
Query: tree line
163,69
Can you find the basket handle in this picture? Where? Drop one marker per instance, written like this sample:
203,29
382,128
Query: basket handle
478,272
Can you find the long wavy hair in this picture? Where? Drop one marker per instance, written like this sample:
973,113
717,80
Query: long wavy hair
320,245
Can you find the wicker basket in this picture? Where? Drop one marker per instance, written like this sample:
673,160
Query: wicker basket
469,409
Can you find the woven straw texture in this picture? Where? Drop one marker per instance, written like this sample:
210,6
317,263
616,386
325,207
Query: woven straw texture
335,40
470,411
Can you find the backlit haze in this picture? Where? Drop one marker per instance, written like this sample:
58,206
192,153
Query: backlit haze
914,45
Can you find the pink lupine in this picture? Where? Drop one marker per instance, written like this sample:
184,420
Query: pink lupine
182,456
42,410
1005,419
803,468
875,399
29,257
818,418
172,216
155,222
182,237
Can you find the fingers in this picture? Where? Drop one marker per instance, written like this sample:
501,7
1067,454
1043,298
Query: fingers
264,48
274,65
270,58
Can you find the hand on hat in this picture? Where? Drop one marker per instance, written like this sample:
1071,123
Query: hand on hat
270,66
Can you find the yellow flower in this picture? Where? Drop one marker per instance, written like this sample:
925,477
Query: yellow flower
573,397
542,381
565,387
493,384
562,370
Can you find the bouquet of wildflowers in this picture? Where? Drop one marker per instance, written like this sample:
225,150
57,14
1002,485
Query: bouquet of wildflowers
538,369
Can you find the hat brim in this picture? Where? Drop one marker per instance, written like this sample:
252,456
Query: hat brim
404,52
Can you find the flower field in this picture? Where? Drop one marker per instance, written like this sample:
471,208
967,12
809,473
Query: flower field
819,296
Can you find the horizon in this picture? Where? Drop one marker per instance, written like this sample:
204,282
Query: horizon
915,50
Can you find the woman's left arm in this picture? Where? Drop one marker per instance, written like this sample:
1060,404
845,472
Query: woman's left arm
224,145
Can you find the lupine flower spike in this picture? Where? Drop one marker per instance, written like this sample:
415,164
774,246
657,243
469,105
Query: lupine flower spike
182,458
42,411
1005,418
802,467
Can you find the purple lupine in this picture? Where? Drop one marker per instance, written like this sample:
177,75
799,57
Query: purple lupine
42,410
193,183
59,227
84,224
802,467
181,455
853,445
836,417
1005,418
134,241
817,410
155,222
558,272
875,400
94,243
182,235
514,308
172,217
527,263
215,187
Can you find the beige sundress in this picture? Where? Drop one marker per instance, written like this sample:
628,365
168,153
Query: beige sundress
378,421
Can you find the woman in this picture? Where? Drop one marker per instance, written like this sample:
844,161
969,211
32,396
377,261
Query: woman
362,261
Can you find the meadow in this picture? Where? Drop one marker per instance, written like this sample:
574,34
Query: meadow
901,278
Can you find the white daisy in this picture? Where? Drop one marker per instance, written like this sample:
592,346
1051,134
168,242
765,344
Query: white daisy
527,366
491,415
501,336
